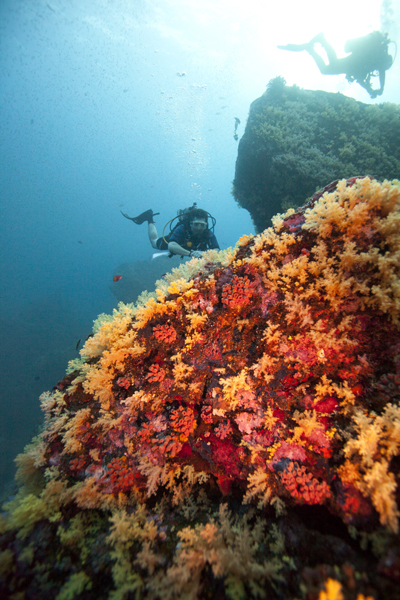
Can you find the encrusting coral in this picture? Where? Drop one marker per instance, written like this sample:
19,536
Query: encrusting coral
253,384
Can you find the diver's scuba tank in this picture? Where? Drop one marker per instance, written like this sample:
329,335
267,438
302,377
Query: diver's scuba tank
183,212
370,43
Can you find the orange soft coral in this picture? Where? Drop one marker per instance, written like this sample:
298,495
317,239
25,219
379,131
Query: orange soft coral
256,359
268,376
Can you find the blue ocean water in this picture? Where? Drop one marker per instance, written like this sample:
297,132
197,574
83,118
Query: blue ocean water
110,105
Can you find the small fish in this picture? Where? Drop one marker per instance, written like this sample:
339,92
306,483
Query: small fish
80,339
117,277
60,386
80,242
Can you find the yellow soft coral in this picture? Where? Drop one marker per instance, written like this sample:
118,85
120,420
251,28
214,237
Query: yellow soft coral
333,591
76,584
26,510
109,332
377,441
233,385
372,208
72,433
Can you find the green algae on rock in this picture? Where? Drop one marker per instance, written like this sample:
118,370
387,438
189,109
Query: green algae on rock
297,140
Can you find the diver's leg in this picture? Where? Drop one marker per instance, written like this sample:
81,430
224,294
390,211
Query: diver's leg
317,39
332,68
320,38
153,236
319,61
295,47
330,52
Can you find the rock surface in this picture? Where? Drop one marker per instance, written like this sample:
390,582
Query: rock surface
297,140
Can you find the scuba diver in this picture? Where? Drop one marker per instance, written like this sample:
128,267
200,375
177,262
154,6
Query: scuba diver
190,236
369,57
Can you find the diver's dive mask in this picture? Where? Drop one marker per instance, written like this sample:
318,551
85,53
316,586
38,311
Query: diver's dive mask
198,226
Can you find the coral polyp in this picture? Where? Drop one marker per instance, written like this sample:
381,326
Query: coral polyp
262,380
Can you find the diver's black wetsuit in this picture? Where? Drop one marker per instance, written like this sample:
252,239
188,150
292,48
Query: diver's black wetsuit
369,56
185,238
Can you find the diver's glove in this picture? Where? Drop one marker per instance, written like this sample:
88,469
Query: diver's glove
196,254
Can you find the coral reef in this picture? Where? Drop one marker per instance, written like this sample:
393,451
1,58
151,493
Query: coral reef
235,434
296,140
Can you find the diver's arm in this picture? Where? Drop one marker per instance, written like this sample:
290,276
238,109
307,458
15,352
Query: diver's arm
175,248
365,83
382,77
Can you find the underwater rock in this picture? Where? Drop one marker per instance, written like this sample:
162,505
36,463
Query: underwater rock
236,434
297,140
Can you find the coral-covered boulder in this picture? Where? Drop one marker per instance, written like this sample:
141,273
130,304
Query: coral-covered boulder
235,435
297,140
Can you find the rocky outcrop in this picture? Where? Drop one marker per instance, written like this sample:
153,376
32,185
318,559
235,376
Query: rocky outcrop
296,140
234,436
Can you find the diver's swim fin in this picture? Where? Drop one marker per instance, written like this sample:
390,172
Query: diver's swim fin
147,215
296,47
317,39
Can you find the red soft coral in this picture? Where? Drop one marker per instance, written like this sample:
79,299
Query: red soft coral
165,333
238,292
303,486
156,373
120,475
183,421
